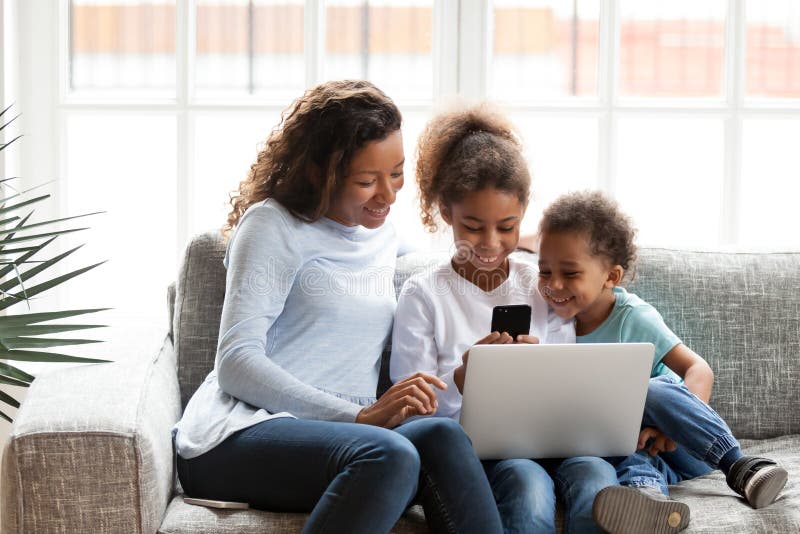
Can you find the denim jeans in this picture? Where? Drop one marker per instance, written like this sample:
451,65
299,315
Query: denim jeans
350,477
525,491
703,438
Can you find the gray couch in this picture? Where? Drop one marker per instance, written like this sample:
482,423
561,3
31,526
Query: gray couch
90,450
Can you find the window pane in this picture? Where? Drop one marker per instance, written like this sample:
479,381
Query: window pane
222,161
385,41
252,47
121,46
669,179
773,49
125,165
544,49
671,49
770,183
562,157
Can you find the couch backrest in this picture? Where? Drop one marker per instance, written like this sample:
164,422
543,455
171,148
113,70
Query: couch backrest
199,293
739,311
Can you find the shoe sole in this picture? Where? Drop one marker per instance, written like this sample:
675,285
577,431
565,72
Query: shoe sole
623,510
764,486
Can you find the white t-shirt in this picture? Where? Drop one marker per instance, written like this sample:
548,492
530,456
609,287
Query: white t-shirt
440,315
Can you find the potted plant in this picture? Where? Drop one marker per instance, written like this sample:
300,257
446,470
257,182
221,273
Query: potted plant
22,243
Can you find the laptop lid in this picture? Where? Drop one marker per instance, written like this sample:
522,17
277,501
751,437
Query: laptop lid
555,401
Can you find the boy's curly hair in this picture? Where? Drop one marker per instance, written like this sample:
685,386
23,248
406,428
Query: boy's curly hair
305,157
464,151
610,232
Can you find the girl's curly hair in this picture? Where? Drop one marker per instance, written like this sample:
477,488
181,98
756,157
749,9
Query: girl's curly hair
305,157
464,151
609,231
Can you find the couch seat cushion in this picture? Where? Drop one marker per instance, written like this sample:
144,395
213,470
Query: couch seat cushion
182,518
715,508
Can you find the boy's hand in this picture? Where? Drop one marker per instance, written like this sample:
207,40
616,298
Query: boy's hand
660,441
525,338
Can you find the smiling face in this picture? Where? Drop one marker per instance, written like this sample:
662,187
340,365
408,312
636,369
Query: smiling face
372,180
574,282
485,230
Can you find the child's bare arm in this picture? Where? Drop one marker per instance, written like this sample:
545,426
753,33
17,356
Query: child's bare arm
695,371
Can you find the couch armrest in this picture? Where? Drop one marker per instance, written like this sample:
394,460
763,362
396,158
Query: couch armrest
91,449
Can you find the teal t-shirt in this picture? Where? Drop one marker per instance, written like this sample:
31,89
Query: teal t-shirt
634,321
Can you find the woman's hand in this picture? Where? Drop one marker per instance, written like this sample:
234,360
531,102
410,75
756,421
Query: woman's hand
411,396
660,443
525,338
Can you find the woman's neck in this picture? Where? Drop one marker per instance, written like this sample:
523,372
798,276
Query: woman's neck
485,280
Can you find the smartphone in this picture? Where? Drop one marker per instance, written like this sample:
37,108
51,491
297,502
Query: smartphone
228,505
514,319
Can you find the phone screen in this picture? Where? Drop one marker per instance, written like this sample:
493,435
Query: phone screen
514,319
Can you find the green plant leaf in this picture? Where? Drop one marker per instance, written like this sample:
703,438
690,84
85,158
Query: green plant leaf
13,372
44,286
42,329
9,236
24,342
12,119
4,416
39,236
7,108
13,382
53,221
24,203
31,318
8,399
9,220
4,145
36,356
20,193
33,271
21,259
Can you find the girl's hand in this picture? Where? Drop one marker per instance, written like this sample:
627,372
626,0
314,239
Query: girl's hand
411,396
660,443
495,338
525,338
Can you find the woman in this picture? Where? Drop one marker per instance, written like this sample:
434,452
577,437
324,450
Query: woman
288,420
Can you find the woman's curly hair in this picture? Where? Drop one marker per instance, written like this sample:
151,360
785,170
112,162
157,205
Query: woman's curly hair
609,231
305,157
468,150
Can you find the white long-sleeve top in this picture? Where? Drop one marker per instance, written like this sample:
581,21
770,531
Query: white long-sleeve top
440,315
308,310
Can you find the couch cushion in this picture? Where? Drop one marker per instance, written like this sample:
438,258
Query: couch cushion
182,518
199,293
717,509
741,312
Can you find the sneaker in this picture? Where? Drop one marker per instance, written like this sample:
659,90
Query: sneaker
758,480
625,510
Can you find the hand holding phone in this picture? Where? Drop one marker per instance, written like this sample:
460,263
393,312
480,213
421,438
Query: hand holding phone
514,319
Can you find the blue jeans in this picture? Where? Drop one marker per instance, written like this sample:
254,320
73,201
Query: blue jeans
350,477
703,438
525,492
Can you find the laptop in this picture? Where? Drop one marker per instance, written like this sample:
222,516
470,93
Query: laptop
555,401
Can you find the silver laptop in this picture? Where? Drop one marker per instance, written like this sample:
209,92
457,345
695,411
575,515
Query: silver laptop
555,401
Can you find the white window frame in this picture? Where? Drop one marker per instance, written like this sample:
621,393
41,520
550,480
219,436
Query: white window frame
461,49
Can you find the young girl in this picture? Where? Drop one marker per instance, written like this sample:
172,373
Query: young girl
586,248
470,170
